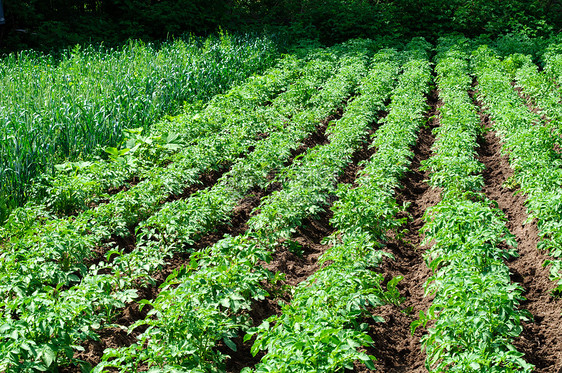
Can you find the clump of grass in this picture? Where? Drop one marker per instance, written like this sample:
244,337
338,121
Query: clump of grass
69,108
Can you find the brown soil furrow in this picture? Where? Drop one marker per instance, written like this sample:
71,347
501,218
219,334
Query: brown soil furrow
541,339
395,348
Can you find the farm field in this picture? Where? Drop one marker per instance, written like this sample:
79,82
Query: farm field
352,208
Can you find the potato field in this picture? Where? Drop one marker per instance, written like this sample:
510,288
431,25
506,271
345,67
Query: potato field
353,208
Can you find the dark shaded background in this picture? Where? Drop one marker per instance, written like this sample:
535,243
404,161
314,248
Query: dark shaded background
51,24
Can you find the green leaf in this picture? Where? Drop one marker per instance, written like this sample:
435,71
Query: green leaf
5,327
474,365
230,344
110,253
113,152
172,146
247,337
351,343
368,360
63,167
48,356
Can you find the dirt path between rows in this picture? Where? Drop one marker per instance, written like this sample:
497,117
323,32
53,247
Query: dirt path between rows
541,339
395,348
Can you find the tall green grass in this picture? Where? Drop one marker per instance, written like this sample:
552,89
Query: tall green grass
70,107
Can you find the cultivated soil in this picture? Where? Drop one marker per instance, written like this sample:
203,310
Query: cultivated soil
396,349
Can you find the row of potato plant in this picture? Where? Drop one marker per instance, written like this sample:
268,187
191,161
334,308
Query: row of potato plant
54,109
542,92
214,293
533,154
474,316
103,293
36,276
546,94
321,329
552,58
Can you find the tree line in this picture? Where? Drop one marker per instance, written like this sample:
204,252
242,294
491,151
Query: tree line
53,24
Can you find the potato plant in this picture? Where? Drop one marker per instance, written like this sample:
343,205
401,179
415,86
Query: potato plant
531,145
475,313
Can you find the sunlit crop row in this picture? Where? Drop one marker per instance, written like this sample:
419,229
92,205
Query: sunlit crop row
474,316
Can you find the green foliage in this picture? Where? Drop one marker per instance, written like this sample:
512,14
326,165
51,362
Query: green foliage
531,140
51,301
197,308
67,110
474,317
48,25
304,187
335,20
